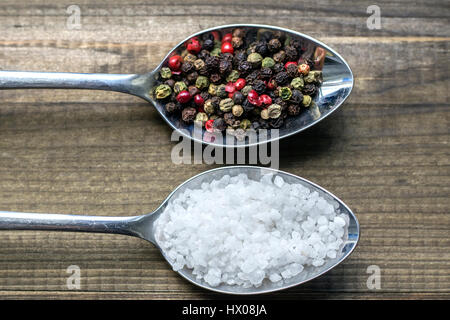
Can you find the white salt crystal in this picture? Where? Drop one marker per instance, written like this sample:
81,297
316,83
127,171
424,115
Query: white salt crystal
251,230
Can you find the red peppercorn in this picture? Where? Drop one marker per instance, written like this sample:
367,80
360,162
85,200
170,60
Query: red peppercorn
289,63
175,62
227,47
184,97
194,46
230,95
215,35
230,88
303,69
253,98
227,37
271,85
265,99
209,125
239,84
198,100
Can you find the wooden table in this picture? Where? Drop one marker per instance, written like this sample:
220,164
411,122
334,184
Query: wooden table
385,153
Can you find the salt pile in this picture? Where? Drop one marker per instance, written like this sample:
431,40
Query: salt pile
238,231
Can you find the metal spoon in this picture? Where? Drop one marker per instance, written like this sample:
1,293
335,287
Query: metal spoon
336,87
143,226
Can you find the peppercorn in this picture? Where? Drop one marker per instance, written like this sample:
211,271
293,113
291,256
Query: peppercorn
291,70
202,82
162,91
189,58
293,109
278,67
175,62
303,69
225,66
265,99
255,59
239,56
254,75
171,107
199,100
244,67
215,78
227,47
237,42
221,92
238,97
291,52
280,56
245,90
306,100
187,67
274,111
192,77
219,124
208,106
261,48
233,76
313,76
267,62
188,114
212,63
245,124
285,93
184,97
238,32
239,83
266,73
193,90
179,86
276,123
309,89
203,54
259,86
198,64
225,105
274,45
208,44
281,77
265,114
247,106
228,118
215,52
297,83
170,82
201,118
297,97
212,89
237,110
165,73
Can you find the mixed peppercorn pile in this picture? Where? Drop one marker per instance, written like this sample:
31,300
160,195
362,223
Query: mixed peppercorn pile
239,81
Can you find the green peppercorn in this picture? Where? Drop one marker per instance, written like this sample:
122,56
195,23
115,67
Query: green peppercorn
199,64
297,83
245,124
285,93
264,114
237,110
274,111
216,52
162,91
306,100
254,58
268,62
202,82
226,105
313,76
212,89
233,76
201,118
190,58
179,86
221,92
165,73
209,107
245,90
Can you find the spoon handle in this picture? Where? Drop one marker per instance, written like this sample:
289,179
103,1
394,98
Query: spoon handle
65,80
66,222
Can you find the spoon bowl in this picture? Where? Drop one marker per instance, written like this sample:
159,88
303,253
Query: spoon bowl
336,87
144,226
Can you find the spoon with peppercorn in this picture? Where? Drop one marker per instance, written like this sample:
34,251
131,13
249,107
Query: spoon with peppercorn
153,227
226,85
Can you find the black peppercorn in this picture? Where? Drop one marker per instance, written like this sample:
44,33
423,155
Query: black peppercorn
171,107
292,70
261,48
297,97
247,106
266,73
276,123
280,56
188,114
219,124
212,63
309,89
281,78
228,118
170,82
239,56
193,90
278,67
203,54
187,67
208,44
259,86
254,75
238,98
274,45
192,77
215,78
291,53
225,66
293,109
244,67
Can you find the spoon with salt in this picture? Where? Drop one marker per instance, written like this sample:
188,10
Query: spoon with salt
336,87
143,226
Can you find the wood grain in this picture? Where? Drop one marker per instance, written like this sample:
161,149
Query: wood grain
385,153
